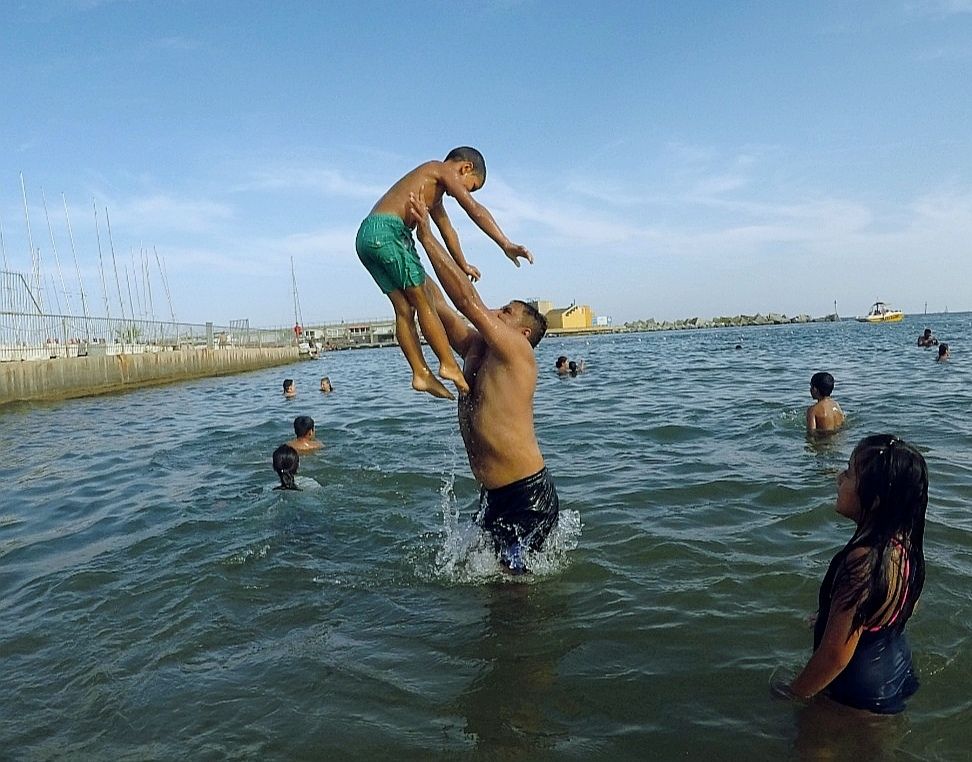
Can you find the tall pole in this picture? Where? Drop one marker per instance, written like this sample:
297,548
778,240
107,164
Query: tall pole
77,267
2,249
34,263
57,259
165,283
114,263
101,263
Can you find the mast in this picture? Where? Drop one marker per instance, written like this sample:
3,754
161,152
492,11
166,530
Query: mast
165,283
148,283
138,295
101,263
293,278
114,263
34,261
3,250
57,259
77,267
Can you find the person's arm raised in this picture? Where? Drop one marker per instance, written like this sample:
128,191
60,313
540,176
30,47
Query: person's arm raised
483,219
500,337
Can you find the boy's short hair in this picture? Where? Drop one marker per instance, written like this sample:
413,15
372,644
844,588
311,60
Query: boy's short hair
288,382
465,153
303,424
823,382
533,319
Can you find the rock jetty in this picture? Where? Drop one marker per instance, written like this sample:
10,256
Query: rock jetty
738,321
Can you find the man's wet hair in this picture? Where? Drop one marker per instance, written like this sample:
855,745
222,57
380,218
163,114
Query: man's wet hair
823,382
288,382
562,360
533,319
303,424
465,153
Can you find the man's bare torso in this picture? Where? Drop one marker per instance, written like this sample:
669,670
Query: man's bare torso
496,417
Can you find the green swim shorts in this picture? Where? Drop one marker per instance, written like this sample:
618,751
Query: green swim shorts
385,246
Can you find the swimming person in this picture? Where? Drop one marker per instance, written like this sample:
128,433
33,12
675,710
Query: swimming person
861,656
385,247
943,352
326,385
824,414
288,388
518,503
561,366
306,435
926,339
286,461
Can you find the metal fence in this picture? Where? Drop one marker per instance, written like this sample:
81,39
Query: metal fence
26,333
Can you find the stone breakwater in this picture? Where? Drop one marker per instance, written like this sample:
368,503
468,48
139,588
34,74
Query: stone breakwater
85,376
738,321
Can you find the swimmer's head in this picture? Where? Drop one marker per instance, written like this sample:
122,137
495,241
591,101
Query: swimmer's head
927,332
471,165
942,351
885,491
286,462
288,386
823,382
303,424
530,317
572,368
561,361
326,385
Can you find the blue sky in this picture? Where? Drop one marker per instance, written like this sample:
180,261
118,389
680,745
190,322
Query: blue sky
660,159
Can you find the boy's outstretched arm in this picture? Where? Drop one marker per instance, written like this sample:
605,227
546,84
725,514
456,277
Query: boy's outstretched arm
484,220
451,241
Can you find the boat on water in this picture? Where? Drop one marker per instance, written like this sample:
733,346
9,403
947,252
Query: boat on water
882,313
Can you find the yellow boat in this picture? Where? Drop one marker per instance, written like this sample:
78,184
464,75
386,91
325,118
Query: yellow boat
882,313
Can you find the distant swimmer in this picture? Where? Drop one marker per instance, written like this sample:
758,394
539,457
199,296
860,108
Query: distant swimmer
926,339
288,388
573,368
286,461
386,248
943,353
561,366
306,439
861,657
825,414
326,385
518,502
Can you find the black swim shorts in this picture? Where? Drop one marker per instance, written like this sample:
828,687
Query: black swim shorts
519,516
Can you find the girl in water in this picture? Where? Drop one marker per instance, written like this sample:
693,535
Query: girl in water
861,657
286,462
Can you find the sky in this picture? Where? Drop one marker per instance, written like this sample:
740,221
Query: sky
660,159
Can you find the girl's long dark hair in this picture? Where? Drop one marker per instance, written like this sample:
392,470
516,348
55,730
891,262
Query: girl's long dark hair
892,486
285,463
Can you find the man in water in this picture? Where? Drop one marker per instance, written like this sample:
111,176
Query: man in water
518,502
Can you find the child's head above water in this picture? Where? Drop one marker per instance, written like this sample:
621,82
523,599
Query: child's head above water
288,386
474,164
942,351
823,383
303,424
286,462
889,479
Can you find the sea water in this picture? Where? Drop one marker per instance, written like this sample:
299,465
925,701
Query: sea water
158,600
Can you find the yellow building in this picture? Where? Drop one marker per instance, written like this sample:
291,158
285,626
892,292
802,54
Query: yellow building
574,316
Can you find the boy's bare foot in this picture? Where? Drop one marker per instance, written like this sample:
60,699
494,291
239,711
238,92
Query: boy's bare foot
453,373
426,382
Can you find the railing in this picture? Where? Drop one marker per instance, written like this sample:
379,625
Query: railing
25,336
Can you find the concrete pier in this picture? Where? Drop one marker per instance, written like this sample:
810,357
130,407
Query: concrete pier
64,378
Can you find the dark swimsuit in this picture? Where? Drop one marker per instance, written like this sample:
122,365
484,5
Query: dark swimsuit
880,675
519,516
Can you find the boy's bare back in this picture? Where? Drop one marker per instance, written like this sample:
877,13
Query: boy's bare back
824,415
427,181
